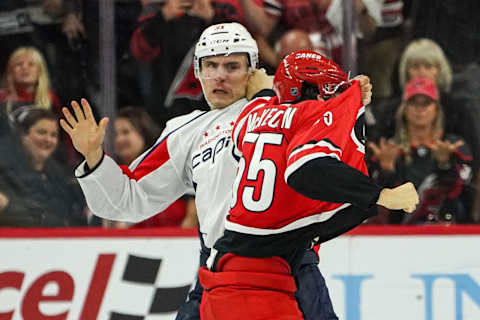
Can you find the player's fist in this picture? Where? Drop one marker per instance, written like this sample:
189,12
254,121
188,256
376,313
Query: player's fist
403,197
365,88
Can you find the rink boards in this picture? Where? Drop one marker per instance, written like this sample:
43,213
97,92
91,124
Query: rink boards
427,273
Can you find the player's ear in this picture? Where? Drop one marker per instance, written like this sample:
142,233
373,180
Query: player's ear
319,97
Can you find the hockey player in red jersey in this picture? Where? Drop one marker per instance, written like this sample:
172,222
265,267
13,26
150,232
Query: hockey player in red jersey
301,180
192,155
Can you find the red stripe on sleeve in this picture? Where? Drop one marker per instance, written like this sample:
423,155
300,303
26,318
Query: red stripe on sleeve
127,171
152,161
314,151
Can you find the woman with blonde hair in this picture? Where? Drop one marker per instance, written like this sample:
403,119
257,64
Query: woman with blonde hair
420,58
26,82
409,128
425,58
438,163
26,79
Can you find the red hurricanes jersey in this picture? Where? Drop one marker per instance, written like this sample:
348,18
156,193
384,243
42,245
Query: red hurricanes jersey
273,141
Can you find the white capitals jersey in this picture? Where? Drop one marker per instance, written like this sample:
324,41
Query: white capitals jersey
192,156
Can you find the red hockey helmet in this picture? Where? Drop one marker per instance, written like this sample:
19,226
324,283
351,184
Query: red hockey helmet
307,66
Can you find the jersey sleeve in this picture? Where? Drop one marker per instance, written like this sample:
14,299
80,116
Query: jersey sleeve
149,185
320,157
327,179
322,129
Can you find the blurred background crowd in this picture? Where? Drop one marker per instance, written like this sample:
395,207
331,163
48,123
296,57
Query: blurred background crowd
132,59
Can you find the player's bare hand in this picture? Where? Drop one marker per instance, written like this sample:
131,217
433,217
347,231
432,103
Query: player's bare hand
386,151
87,136
403,197
257,81
365,88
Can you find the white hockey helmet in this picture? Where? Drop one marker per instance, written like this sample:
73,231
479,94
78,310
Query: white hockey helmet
225,39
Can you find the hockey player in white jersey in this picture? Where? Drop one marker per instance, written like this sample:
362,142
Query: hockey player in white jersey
192,155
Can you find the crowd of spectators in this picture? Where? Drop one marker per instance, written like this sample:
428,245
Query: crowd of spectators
423,124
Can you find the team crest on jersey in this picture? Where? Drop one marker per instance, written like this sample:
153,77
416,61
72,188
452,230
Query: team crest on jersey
214,142
219,130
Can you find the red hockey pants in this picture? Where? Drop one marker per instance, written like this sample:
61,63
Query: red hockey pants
249,288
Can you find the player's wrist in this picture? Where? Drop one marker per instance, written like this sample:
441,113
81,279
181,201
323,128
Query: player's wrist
383,197
94,157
